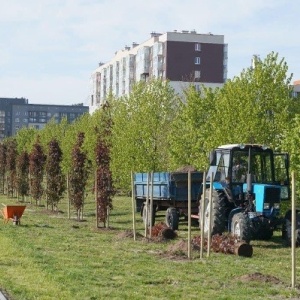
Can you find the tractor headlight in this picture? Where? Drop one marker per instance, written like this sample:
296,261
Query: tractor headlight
266,205
276,205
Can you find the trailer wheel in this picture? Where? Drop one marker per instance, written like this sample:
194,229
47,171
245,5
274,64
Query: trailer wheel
172,218
240,227
144,216
287,229
218,216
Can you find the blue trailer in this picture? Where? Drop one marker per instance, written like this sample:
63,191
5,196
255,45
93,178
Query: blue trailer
169,193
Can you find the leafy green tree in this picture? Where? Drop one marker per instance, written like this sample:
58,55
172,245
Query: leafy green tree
255,107
191,136
25,138
141,122
11,157
53,130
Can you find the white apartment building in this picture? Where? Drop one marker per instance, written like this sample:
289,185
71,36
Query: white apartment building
180,57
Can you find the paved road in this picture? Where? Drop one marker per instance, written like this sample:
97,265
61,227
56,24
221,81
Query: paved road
2,297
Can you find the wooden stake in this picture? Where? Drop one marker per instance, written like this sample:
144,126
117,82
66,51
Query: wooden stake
147,206
151,206
293,233
201,215
133,206
96,201
189,214
209,216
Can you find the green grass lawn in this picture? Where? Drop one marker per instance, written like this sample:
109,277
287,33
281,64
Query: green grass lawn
50,256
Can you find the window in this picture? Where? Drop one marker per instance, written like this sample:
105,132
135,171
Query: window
25,120
197,74
17,120
197,47
32,114
197,60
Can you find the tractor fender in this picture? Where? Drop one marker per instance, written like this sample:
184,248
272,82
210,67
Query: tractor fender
231,214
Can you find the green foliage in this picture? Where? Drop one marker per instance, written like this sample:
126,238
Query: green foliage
257,106
25,138
141,123
11,157
191,136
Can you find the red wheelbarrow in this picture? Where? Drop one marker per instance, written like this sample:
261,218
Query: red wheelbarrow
13,212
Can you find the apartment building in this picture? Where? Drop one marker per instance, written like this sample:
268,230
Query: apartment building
16,113
180,57
296,89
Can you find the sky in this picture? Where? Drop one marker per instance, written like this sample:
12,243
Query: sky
49,48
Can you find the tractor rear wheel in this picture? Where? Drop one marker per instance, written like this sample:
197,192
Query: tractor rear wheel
240,227
218,212
287,229
172,218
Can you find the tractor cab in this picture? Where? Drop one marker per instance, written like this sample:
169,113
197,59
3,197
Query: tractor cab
252,179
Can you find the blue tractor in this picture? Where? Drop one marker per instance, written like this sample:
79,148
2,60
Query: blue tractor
249,183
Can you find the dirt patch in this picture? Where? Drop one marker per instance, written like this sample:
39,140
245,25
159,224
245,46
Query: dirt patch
52,212
162,232
260,277
180,248
128,234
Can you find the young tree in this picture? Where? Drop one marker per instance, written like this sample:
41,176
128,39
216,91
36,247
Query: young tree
23,174
191,136
55,179
78,176
141,123
37,160
104,186
11,157
2,166
256,107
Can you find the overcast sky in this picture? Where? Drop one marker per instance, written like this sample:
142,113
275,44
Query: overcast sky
49,48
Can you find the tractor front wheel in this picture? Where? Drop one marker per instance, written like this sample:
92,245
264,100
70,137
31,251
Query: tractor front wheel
240,227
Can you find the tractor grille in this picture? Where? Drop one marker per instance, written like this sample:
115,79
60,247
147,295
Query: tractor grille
272,195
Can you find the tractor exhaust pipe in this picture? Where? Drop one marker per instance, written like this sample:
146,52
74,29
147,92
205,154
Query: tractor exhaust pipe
249,175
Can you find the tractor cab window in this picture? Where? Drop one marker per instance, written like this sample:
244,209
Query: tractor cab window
261,167
220,170
259,164
239,166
